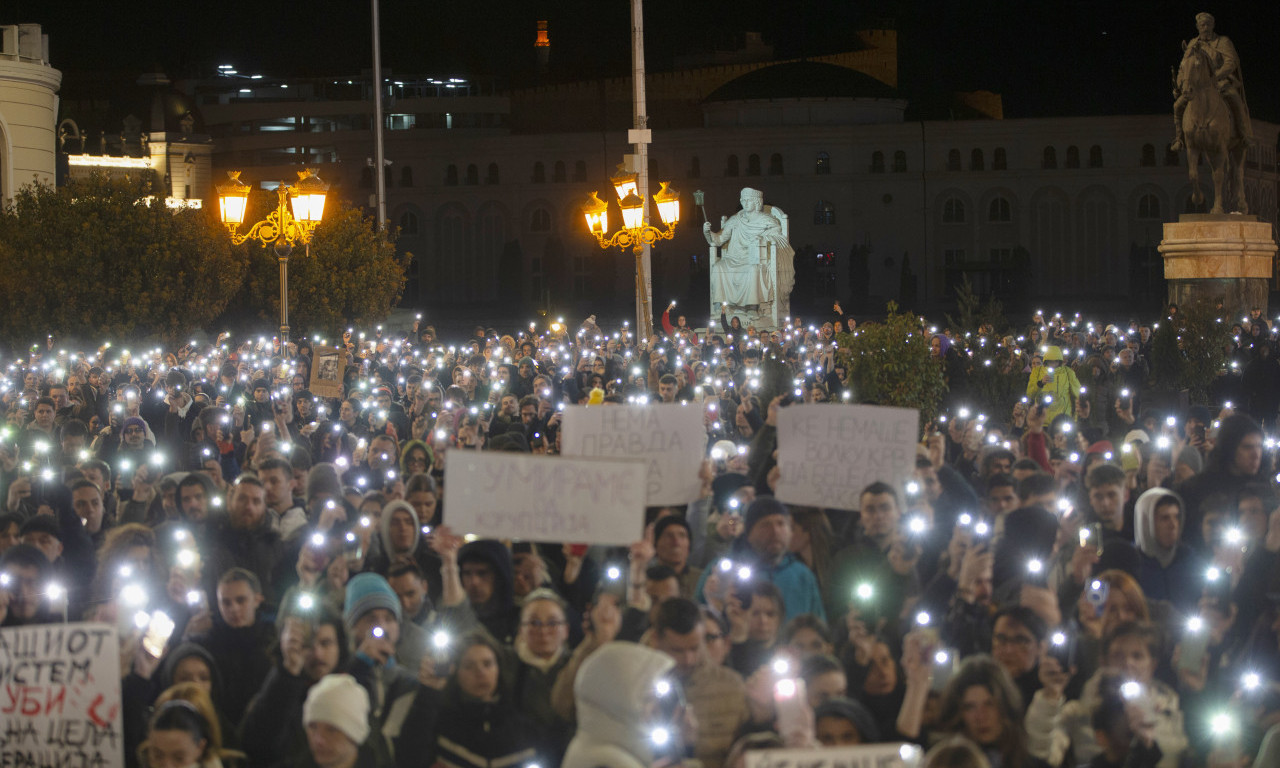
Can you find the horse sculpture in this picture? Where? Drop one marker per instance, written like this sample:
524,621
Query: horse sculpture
1207,125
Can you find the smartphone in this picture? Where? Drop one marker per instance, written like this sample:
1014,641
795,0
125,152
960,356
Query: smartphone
1091,536
789,700
159,629
352,548
1062,646
1097,595
945,663
1194,645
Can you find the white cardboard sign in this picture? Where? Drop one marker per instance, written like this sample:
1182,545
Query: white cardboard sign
544,498
60,696
829,452
668,437
865,756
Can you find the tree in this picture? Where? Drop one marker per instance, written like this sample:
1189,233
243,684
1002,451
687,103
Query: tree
889,363
94,259
352,274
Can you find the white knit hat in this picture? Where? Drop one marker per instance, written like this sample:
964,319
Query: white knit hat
340,701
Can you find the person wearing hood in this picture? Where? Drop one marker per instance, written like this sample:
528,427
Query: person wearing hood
403,539
1167,570
617,699
186,663
486,572
1055,380
1236,459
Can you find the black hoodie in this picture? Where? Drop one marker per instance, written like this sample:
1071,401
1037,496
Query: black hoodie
500,616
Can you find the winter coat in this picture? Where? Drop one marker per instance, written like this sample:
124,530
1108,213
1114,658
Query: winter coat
613,690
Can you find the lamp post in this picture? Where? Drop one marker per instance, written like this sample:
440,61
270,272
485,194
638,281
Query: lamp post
632,188
298,211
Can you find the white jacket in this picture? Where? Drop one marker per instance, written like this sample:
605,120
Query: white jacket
613,690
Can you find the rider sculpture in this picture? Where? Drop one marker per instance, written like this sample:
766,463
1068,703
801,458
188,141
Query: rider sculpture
1226,72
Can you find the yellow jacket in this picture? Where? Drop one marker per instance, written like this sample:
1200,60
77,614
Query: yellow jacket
1064,387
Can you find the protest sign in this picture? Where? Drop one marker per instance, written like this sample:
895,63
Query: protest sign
60,696
544,498
865,756
668,437
829,452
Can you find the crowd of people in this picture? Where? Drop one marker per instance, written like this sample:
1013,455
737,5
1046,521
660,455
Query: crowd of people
1075,577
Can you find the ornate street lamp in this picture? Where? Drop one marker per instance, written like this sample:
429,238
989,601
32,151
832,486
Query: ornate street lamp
299,209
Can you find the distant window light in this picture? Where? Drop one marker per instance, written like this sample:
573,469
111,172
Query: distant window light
822,164
824,213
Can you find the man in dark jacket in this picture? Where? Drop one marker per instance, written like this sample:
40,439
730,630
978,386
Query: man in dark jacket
485,567
244,538
239,640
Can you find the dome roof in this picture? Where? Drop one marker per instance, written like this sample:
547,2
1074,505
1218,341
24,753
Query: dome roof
803,80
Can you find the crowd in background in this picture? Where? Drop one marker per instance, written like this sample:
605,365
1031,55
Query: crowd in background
1072,577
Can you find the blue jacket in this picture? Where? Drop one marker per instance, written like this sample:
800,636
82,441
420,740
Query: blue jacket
793,579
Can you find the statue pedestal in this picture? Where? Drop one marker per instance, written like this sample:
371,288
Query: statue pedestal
1219,257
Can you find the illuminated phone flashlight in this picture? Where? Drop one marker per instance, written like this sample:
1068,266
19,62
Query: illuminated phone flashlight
981,528
133,595
1034,565
1233,536
613,573
1131,690
864,591
317,540
923,619
306,602
781,667
913,488
941,657
440,640
1059,638
1064,505
378,632
141,619
917,525
725,565
1213,574
744,573
1222,724
55,592
426,530
193,597
1074,457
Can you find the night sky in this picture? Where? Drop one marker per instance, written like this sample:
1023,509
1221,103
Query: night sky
1046,57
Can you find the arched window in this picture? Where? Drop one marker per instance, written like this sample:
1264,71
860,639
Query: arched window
580,170
1073,156
877,162
753,165
824,213
1148,155
451,176
953,160
731,166
408,223
900,162
1050,159
822,164
953,211
473,174
491,175
695,167
999,161
406,176
976,161
999,211
540,220
775,164
539,173
558,172
1149,204
1095,156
